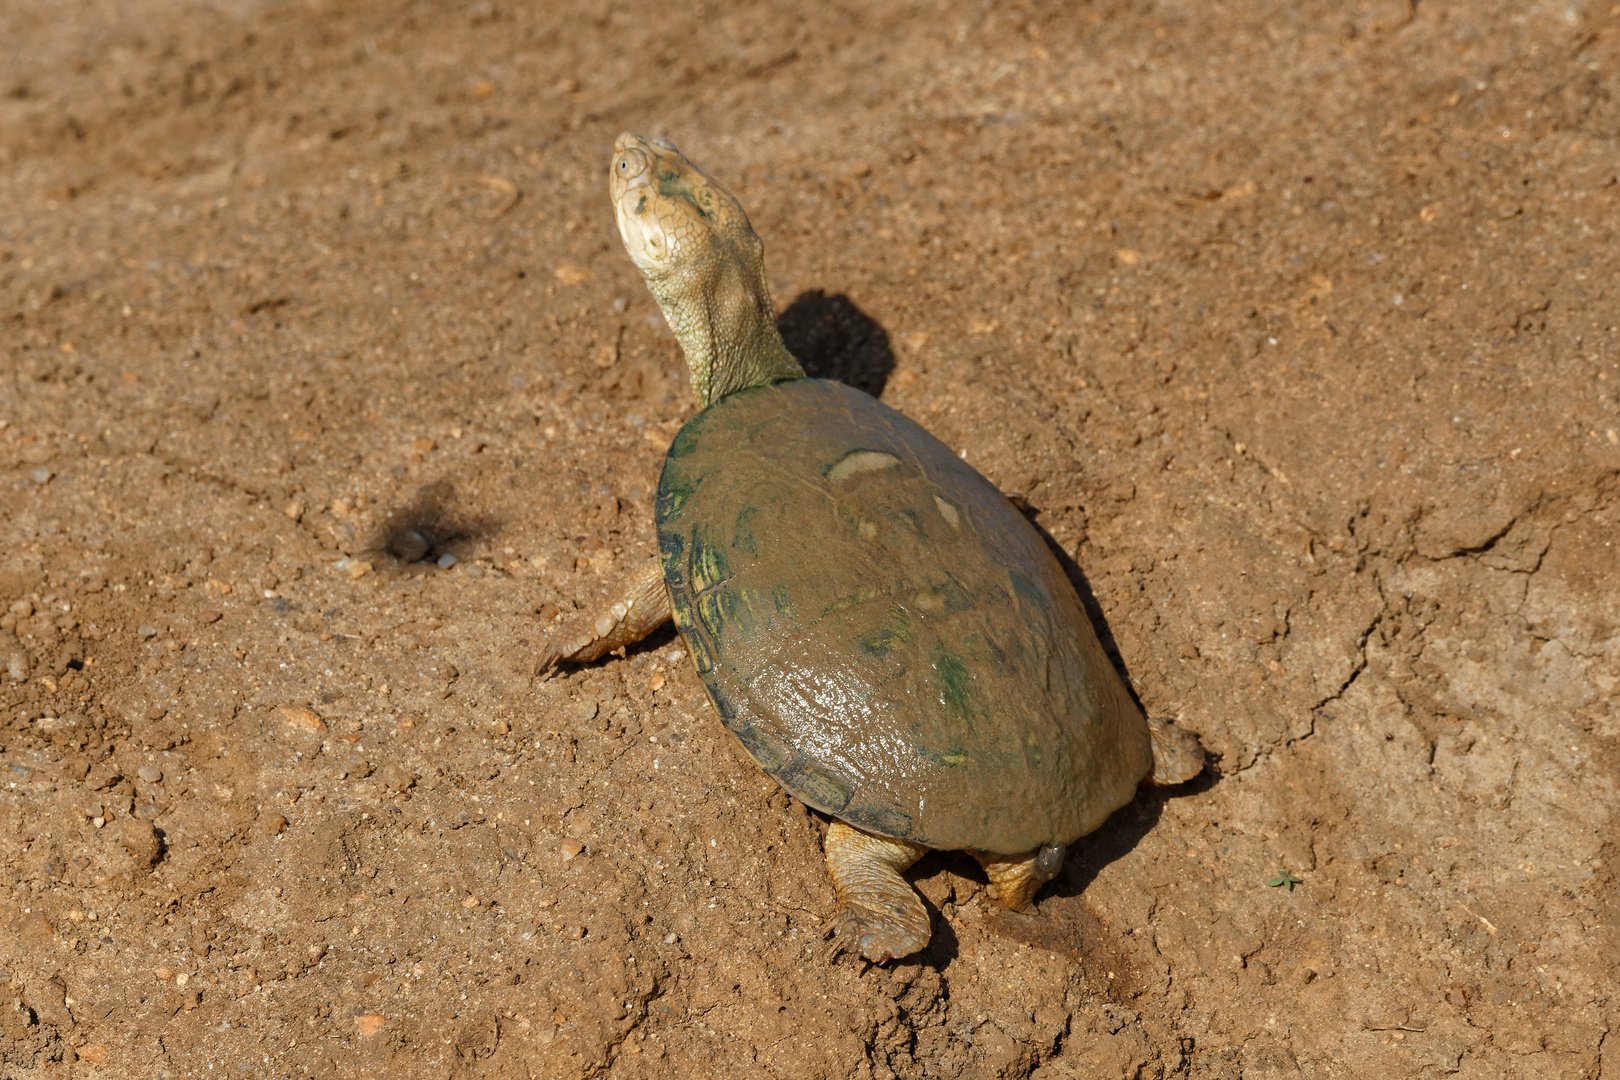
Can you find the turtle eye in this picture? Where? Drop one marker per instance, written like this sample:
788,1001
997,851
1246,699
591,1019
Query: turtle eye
630,163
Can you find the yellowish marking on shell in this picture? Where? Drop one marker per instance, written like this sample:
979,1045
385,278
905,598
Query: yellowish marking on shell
861,461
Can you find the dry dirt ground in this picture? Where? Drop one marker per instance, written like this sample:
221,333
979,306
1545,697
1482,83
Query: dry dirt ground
1294,323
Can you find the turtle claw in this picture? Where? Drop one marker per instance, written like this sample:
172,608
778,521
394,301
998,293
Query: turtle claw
879,937
564,646
567,647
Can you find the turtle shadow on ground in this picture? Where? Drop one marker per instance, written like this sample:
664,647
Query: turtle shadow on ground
427,527
834,339
1117,836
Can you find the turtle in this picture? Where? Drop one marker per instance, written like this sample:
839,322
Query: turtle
881,629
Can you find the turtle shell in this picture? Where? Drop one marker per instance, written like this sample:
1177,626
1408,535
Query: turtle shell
885,634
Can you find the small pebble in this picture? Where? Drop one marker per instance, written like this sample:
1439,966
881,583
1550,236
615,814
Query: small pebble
408,545
570,849
294,509
141,842
35,924
585,710
357,569
446,561
17,666
156,712
670,939
394,778
209,616
370,1024
151,774
147,630
41,475
272,824
426,446
163,973
656,682
102,775
470,902
306,719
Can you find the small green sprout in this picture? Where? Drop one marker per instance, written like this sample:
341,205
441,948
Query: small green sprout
1286,880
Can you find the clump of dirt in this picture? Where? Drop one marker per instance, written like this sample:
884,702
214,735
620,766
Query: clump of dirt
328,391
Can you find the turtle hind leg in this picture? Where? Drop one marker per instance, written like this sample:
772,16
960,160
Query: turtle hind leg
1018,878
879,914
639,606
1178,756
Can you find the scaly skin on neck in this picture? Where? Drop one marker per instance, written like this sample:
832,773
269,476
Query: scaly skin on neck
704,264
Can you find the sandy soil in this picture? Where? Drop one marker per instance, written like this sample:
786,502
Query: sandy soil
1295,324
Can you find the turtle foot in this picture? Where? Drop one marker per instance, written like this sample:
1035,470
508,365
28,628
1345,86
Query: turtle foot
883,934
1016,879
1178,756
880,915
636,609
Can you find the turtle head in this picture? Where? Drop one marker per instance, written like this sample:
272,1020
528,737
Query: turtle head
673,218
704,264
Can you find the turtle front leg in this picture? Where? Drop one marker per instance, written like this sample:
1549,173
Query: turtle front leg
640,606
879,914
1018,878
